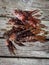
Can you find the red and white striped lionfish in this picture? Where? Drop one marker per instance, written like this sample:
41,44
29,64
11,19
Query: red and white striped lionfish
26,27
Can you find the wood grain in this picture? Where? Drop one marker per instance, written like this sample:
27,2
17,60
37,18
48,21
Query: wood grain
31,49
20,61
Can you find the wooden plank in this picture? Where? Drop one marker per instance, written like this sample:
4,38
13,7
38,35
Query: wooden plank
18,4
4,26
36,49
7,9
20,61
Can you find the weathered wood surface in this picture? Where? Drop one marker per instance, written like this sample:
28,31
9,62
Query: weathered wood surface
33,53
7,6
31,49
20,61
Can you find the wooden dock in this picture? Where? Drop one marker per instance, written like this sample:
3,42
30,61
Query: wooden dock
34,53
